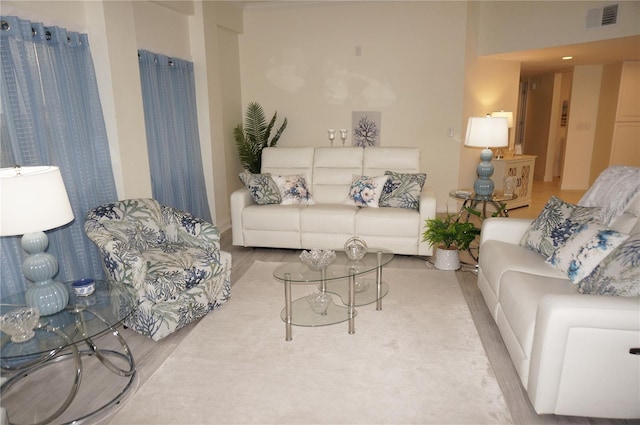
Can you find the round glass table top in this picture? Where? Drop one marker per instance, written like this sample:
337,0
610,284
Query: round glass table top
84,317
497,196
298,272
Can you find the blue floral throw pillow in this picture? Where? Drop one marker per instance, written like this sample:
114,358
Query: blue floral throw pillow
263,189
366,191
590,244
293,190
555,224
618,274
402,190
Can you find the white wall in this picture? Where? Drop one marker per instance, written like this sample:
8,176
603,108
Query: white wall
585,93
316,63
509,26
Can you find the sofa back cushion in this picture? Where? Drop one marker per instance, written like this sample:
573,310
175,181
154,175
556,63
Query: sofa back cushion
400,160
288,161
333,171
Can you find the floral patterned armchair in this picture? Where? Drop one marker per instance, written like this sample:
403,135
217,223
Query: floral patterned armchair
170,257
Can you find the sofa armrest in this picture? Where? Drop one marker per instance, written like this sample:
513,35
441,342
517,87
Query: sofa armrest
504,229
240,199
581,355
427,211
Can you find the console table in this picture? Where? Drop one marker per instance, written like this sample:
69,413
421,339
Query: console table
58,338
521,168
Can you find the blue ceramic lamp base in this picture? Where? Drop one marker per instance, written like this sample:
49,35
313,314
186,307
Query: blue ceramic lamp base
483,185
45,294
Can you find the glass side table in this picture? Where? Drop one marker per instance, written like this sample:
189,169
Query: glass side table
357,292
58,337
471,200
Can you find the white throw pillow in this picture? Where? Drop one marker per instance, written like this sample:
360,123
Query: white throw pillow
585,249
365,191
293,190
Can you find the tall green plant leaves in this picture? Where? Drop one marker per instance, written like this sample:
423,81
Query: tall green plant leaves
254,136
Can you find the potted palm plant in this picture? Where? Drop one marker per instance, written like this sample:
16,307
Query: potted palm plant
449,236
254,136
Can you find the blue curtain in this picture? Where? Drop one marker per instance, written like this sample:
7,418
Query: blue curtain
168,93
51,115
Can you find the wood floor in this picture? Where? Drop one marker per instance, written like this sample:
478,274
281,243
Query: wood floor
149,355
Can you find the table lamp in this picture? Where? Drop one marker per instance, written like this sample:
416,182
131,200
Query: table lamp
32,200
509,116
486,132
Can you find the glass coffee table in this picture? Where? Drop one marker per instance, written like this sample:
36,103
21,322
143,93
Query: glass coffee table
58,338
343,278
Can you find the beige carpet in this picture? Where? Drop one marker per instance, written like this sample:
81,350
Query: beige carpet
418,361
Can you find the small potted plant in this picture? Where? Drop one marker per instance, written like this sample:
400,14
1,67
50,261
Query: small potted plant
449,236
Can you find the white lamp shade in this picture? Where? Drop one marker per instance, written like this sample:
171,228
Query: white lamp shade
487,132
506,114
32,199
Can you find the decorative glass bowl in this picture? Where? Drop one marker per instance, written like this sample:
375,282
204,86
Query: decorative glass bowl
319,302
355,248
317,259
20,323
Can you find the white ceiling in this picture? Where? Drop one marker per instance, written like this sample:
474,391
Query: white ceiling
541,61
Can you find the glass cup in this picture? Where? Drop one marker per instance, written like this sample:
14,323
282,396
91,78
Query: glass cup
509,186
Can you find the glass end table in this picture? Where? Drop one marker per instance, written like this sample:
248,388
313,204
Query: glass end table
58,338
358,291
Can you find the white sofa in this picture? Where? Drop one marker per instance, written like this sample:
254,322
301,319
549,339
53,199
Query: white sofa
571,350
330,223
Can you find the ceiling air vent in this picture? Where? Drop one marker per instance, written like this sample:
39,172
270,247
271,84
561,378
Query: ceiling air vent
601,16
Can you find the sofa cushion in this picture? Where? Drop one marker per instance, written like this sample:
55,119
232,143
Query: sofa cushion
272,217
497,258
618,273
402,190
551,228
391,222
263,189
365,191
293,190
328,218
520,295
333,171
288,161
589,244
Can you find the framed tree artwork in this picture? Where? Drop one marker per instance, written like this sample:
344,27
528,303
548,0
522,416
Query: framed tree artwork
366,128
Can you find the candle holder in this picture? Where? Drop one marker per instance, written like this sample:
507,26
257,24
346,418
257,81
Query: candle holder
343,135
332,135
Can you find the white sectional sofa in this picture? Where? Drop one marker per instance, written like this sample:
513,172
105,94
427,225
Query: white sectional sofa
573,348
329,223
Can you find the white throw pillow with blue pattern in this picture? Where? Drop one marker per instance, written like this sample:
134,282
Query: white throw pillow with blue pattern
402,190
618,274
555,224
262,188
294,190
585,249
366,191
